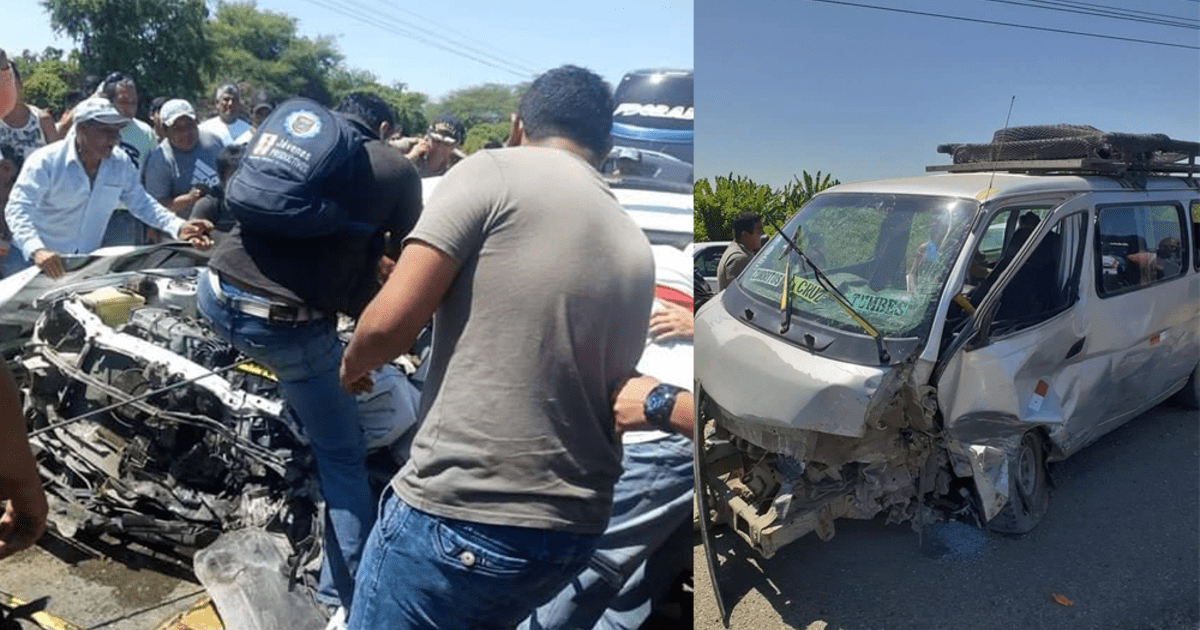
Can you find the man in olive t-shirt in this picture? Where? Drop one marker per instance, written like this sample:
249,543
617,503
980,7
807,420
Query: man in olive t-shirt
542,286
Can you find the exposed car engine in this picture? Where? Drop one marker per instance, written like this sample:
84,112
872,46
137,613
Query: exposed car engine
148,427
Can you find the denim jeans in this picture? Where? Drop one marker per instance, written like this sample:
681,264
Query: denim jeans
306,358
647,543
421,571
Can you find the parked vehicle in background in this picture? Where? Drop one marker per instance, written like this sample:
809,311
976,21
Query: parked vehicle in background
652,129
707,256
924,347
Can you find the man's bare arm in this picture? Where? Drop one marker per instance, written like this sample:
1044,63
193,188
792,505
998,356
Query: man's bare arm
24,517
392,321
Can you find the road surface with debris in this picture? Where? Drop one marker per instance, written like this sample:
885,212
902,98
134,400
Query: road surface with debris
1119,546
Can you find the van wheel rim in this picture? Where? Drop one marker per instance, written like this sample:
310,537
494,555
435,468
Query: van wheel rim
1027,471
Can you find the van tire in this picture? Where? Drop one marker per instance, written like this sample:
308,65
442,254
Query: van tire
1028,488
1189,396
1043,132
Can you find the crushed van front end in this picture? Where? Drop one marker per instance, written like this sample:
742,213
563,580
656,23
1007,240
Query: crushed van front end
794,441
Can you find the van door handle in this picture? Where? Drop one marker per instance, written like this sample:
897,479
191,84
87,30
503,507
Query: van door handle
1075,349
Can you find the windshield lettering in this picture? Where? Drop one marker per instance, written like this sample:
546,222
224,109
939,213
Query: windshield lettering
806,289
897,307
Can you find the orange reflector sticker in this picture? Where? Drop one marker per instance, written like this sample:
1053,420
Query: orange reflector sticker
1039,396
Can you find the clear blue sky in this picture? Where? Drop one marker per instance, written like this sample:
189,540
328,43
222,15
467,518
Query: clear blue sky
784,86
611,38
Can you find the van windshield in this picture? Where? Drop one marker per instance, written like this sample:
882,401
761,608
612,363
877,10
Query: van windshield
888,254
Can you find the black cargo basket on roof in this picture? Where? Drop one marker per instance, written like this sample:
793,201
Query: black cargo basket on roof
1072,149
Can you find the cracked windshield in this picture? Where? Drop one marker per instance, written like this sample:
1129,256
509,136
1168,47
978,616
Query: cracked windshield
888,254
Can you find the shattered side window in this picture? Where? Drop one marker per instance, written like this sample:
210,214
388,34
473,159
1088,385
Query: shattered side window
888,254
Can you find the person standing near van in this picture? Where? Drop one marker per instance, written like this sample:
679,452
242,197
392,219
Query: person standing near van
747,240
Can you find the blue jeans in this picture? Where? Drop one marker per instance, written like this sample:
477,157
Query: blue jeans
306,358
421,571
647,543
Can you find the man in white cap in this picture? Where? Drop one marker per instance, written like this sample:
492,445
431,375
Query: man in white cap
68,189
183,167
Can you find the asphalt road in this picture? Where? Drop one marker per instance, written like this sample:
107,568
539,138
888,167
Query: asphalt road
1121,541
98,593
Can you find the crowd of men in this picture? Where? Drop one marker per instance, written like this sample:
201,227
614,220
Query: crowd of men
519,505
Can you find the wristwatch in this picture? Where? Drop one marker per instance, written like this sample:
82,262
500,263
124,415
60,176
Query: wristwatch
659,404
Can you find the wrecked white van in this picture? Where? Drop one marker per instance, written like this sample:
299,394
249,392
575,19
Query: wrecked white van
942,338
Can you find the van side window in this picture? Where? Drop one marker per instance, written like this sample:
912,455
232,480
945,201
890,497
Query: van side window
1004,236
1138,246
1047,281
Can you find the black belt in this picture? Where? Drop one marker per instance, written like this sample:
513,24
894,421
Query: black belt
273,310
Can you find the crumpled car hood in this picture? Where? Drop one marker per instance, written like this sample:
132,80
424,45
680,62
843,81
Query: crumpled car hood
766,381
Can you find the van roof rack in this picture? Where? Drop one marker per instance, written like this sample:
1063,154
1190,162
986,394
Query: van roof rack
1072,149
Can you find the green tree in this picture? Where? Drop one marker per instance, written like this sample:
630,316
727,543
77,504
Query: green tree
799,191
488,103
483,133
716,204
262,53
161,43
409,106
48,77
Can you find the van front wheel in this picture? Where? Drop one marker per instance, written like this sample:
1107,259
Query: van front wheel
1028,488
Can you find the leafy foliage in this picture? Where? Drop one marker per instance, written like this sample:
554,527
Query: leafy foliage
48,77
262,53
491,103
483,133
161,43
409,106
483,109
174,48
716,204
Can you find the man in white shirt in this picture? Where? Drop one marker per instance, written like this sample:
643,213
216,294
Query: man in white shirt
226,125
67,191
